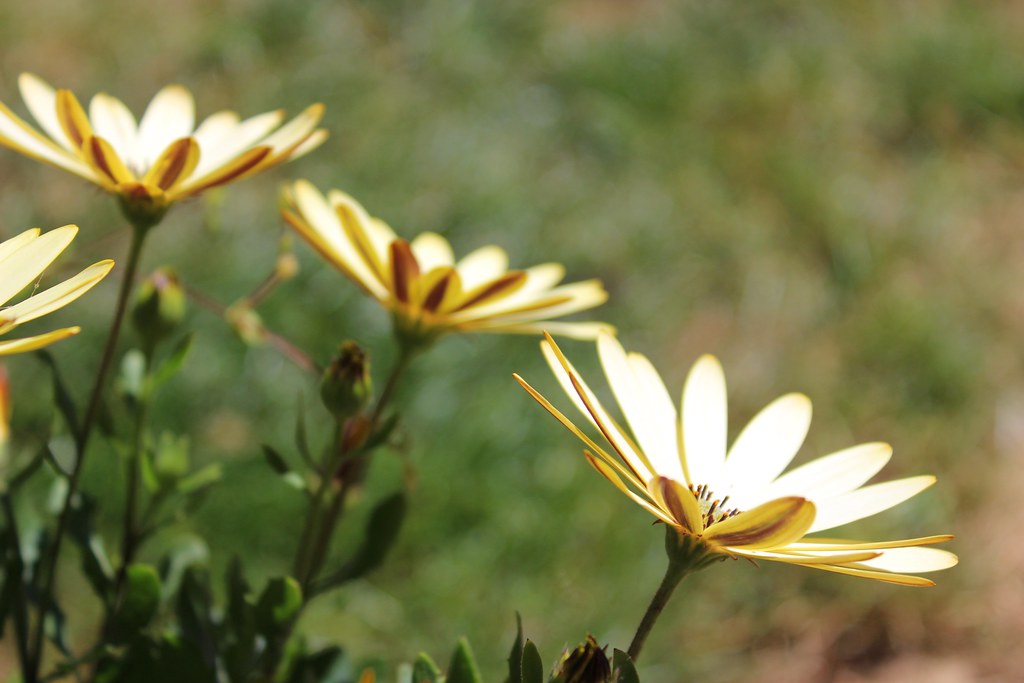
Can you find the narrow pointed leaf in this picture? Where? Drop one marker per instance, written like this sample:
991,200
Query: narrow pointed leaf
515,657
174,362
275,460
533,665
463,667
424,670
623,665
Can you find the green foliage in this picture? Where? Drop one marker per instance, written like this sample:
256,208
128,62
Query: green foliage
278,604
379,536
625,672
139,602
425,671
463,668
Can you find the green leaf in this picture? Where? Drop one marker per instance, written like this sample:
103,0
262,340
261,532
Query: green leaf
95,564
324,666
515,657
239,649
201,479
171,460
173,363
188,551
194,612
381,533
424,670
133,373
279,603
166,659
275,460
382,433
625,672
141,598
533,665
65,404
463,667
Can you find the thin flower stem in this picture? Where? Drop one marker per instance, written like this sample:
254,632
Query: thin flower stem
130,534
84,431
673,575
288,349
406,354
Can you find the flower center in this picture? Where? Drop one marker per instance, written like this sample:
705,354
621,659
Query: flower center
712,509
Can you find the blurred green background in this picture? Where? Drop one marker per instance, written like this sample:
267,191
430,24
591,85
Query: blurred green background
828,197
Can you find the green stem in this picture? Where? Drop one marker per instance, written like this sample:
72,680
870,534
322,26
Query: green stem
686,554
130,534
673,575
49,575
320,524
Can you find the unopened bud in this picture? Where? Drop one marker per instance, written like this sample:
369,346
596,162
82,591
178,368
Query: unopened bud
586,663
286,267
247,323
159,307
346,386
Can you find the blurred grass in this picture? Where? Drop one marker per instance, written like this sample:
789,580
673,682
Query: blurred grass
826,197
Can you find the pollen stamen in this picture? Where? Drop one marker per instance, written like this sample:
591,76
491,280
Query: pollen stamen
712,510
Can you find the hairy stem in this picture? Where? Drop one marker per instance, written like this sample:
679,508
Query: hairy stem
673,575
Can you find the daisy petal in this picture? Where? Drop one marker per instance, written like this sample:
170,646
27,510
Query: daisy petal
867,501
432,251
770,525
323,229
767,444
837,544
41,101
175,164
884,577
678,500
170,116
831,475
805,559
645,402
24,265
911,560
591,408
568,424
232,170
9,246
36,342
59,295
112,121
21,137
704,422
73,119
102,157
477,267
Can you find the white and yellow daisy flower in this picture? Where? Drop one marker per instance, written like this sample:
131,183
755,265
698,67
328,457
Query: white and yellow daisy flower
738,501
164,156
427,291
22,259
